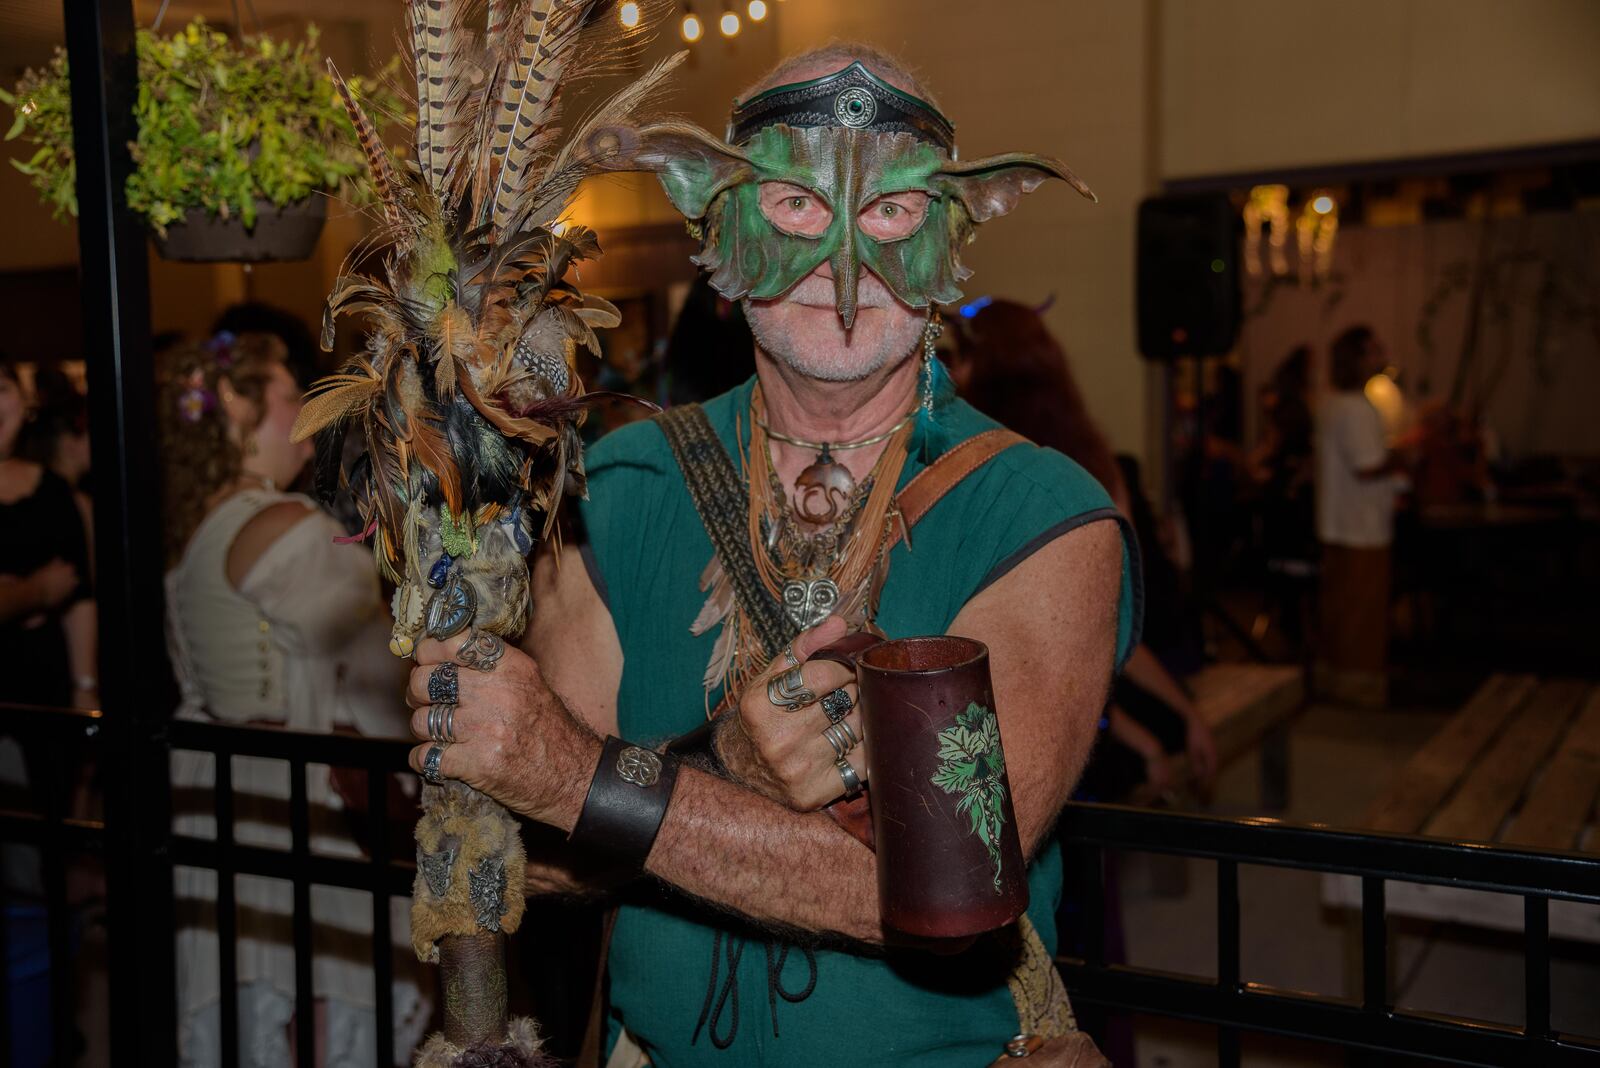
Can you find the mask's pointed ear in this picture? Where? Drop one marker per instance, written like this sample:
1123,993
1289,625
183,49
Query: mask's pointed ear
694,166
991,186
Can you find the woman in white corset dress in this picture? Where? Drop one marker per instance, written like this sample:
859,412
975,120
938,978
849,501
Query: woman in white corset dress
270,622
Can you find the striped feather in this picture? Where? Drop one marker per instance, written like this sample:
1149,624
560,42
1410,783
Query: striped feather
528,102
432,39
381,170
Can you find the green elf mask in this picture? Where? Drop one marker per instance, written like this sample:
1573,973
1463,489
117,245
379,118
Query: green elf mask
845,170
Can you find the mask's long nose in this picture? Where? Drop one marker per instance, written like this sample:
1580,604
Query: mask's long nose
846,261
846,264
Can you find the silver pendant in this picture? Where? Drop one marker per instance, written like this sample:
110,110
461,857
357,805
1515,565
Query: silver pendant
486,889
809,601
452,608
435,868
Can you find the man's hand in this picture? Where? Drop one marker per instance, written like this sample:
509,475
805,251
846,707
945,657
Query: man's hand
515,739
782,754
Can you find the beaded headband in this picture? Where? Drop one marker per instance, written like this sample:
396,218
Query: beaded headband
853,98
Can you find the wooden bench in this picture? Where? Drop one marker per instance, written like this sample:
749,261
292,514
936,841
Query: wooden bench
1518,765
1246,705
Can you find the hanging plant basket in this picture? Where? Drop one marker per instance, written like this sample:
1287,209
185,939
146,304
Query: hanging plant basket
229,130
287,233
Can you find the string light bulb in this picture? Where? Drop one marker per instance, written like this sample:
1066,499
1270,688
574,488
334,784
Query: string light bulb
729,24
757,10
628,15
1322,205
690,27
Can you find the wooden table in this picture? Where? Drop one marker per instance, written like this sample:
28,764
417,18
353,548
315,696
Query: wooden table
1519,765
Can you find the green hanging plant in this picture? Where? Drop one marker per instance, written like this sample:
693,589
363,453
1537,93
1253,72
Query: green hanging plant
224,124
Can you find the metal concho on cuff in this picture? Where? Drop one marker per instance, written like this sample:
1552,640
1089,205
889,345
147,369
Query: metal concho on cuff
789,691
444,684
627,801
847,775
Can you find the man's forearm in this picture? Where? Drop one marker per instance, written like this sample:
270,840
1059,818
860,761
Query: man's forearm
727,845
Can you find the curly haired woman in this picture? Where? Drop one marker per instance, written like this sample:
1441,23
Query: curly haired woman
270,622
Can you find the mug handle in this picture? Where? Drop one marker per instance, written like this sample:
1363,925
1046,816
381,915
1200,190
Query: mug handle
847,650
854,816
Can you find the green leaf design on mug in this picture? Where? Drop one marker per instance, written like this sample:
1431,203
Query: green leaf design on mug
972,764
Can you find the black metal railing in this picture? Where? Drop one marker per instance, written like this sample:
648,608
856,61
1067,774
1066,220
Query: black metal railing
1373,1023
379,873
60,737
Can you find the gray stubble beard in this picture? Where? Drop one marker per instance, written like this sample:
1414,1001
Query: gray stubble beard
781,346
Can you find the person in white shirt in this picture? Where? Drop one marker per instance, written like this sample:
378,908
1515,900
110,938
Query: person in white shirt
1358,477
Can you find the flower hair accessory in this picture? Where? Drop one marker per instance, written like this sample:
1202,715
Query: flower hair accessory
221,348
195,401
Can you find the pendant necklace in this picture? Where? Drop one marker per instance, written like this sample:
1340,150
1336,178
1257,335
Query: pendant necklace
818,556
824,489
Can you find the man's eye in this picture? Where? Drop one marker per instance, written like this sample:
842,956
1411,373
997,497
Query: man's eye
797,203
890,210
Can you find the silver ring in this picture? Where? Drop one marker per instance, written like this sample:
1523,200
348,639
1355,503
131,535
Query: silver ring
847,775
430,766
442,723
481,652
841,737
793,689
444,684
775,698
837,704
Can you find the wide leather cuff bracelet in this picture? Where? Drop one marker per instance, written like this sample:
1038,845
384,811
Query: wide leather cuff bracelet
627,801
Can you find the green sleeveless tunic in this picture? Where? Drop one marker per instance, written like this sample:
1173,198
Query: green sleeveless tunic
698,987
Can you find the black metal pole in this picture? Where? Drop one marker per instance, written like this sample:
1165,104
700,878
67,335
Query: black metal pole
128,556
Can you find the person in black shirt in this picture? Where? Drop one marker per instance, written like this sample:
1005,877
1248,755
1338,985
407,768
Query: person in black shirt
46,615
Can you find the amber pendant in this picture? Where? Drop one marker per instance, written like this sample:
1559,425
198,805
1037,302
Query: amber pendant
823,490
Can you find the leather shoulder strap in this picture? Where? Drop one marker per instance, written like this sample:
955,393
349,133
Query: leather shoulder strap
723,503
944,474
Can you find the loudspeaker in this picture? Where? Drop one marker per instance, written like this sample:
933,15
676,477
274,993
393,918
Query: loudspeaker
1188,276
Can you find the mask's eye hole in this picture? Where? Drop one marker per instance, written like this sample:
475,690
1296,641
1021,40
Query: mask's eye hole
894,216
795,209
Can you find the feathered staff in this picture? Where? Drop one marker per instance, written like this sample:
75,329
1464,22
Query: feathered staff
466,404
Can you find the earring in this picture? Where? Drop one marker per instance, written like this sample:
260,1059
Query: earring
930,336
248,445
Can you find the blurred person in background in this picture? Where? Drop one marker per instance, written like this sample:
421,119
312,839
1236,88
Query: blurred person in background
302,352
270,623
46,615
1282,466
1358,478
58,438
1008,366
711,349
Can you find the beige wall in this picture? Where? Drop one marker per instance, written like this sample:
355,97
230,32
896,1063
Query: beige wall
1258,84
